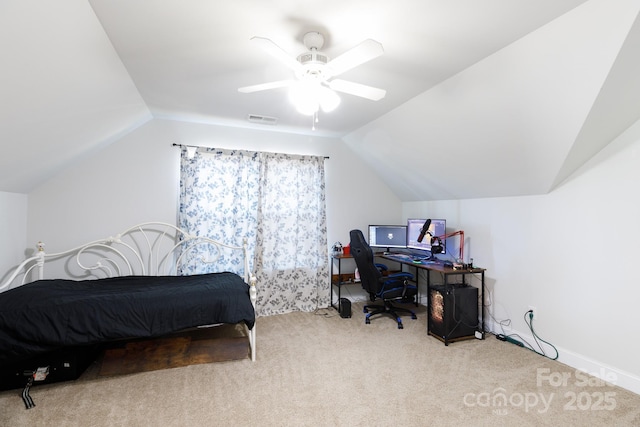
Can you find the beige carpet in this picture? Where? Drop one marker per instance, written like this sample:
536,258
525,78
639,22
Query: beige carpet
322,370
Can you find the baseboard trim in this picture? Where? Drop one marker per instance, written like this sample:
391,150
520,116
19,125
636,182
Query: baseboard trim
580,362
601,370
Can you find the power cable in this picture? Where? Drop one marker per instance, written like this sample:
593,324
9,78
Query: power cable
523,343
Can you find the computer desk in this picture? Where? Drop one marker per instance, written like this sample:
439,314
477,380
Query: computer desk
447,273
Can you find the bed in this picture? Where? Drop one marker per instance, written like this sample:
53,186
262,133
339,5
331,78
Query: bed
136,284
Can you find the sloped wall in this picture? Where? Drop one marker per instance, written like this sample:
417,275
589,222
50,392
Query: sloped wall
572,254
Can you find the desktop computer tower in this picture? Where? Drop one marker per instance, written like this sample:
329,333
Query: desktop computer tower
344,307
452,311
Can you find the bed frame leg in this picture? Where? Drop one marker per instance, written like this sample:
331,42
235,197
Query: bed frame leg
253,295
252,343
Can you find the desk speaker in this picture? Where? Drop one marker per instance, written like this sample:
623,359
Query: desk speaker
344,307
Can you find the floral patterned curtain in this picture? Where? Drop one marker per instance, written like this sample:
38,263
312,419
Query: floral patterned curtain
277,201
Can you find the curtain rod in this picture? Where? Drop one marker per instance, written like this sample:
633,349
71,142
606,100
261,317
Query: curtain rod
204,146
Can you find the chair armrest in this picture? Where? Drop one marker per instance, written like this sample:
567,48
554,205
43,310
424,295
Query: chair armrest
381,267
402,275
398,282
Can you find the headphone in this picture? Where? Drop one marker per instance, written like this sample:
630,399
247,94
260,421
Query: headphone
436,245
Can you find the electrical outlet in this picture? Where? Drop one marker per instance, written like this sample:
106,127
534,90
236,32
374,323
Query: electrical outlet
535,312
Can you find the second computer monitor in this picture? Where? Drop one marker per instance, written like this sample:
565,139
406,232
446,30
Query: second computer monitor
437,228
388,236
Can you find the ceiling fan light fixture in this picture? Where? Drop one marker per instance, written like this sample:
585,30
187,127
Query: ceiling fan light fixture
309,97
329,100
303,96
308,108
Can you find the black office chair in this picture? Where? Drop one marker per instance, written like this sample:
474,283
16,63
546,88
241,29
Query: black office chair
388,288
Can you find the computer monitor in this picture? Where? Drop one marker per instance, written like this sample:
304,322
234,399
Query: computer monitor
388,236
437,228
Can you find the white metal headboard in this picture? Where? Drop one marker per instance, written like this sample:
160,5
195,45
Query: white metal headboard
149,249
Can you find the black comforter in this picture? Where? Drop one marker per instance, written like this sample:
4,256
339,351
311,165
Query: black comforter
47,315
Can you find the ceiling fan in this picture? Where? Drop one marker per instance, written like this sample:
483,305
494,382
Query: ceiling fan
315,73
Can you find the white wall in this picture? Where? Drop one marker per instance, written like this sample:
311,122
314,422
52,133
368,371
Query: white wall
13,229
136,180
571,254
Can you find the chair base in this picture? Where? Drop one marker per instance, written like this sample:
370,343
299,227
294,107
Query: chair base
387,308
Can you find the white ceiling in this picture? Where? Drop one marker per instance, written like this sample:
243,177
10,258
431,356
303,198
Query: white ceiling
484,97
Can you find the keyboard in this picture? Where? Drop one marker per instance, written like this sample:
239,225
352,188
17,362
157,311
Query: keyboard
407,257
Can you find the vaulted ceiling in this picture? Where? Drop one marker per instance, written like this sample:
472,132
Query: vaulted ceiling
484,98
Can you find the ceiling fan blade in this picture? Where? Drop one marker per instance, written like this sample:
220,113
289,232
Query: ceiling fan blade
357,89
265,86
277,52
365,51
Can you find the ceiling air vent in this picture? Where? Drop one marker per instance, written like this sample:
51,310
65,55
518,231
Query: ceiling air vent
264,120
